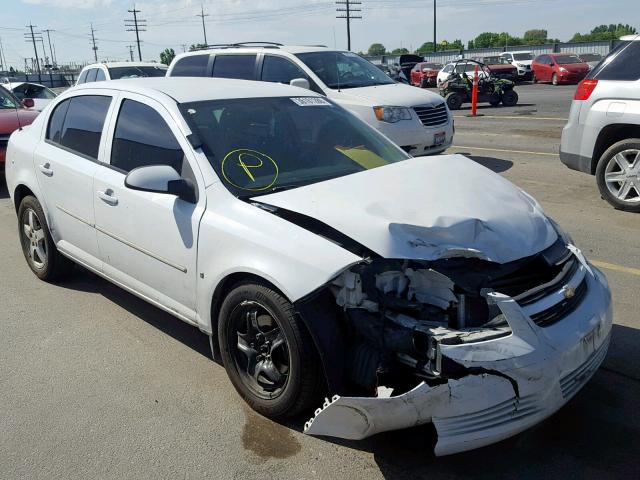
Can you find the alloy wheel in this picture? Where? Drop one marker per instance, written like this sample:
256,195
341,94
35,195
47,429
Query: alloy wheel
622,176
33,239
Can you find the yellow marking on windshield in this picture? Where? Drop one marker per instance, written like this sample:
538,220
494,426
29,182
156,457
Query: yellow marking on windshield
246,167
363,157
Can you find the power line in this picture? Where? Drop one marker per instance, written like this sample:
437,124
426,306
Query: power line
136,25
93,40
347,13
204,29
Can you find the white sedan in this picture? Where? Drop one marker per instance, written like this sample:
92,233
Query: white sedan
40,94
319,258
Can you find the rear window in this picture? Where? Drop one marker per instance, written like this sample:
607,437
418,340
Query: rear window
191,66
83,124
235,66
136,72
623,63
567,59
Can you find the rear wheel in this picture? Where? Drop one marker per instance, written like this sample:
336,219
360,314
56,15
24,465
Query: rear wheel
454,100
618,175
509,98
554,79
268,354
38,247
534,78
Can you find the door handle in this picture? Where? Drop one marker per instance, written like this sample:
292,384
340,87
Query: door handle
107,197
45,168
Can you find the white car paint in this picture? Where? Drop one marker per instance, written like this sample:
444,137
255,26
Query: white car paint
39,101
174,255
412,135
444,74
105,66
523,65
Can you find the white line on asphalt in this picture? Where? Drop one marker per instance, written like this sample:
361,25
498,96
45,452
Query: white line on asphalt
517,118
505,151
617,268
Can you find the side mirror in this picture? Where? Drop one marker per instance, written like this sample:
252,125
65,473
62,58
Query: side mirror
301,83
161,179
28,103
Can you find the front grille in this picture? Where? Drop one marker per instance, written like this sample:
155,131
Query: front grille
561,309
432,116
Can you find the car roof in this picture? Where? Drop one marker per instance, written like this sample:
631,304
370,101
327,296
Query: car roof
13,85
518,51
193,89
631,38
293,49
125,64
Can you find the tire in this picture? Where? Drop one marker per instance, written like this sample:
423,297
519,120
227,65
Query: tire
285,376
38,246
554,80
510,98
533,78
454,100
424,83
609,167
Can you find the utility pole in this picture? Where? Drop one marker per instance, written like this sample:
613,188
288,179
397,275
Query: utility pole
53,57
184,47
93,41
435,44
347,13
204,29
32,37
136,25
3,59
130,47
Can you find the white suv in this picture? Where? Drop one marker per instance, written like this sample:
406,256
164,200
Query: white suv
416,120
317,255
602,136
522,60
97,72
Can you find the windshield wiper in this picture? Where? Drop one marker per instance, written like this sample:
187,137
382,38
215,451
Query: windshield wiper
277,188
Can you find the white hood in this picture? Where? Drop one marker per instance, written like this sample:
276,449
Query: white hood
396,94
427,208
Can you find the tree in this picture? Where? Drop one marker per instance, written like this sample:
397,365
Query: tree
197,46
536,36
399,51
377,49
605,32
167,56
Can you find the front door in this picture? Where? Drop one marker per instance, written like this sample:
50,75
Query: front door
148,241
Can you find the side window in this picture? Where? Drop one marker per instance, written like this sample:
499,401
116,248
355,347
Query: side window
235,66
191,66
56,120
280,70
625,64
91,76
83,77
100,76
83,124
448,68
143,138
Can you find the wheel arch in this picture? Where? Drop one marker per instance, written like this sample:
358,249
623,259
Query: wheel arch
608,136
19,193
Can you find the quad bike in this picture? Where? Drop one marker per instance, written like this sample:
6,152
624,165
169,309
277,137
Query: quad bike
456,89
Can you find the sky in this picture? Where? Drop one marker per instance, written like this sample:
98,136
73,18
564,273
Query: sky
394,23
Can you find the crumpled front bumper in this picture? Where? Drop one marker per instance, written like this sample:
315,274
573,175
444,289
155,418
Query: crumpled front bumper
513,382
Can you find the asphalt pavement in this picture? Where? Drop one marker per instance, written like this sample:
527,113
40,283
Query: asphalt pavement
95,383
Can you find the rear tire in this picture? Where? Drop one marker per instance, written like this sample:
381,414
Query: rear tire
622,194
509,98
38,246
454,100
268,354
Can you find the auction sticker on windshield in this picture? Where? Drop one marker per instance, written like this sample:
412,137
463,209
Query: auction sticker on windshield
310,101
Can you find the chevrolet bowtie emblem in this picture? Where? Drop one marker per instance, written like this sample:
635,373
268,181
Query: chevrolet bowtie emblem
569,292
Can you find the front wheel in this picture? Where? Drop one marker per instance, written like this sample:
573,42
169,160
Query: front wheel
618,175
509,98
268,354
454,100
534,79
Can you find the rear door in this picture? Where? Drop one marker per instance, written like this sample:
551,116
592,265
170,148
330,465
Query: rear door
65,164
148,241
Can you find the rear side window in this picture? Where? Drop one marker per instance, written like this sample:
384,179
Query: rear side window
83,77
621,64
56,121
191,66
82,127
280,70
91,76
143,138
100,75
235,66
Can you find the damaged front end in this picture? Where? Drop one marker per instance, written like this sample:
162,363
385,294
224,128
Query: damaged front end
481,349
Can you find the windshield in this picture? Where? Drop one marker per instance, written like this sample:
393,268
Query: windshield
7,100
344,70
117,73
567,59
261,145
495,61
522,56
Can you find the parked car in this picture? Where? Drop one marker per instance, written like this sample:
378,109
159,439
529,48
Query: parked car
522,61
425,74
602,136
416,120
559,68
14,114
591,59
464,67
40,94
321,259
500,67
98,72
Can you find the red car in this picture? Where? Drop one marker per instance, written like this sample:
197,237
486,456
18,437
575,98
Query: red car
424,74
13,115
500,67
558,68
